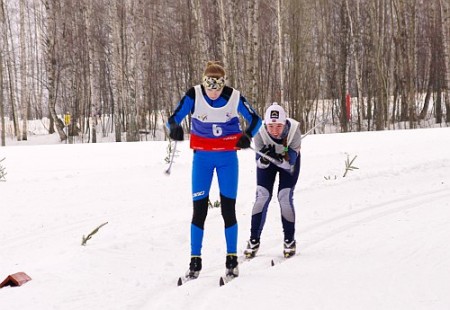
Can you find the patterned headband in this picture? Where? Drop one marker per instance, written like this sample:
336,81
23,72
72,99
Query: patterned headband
213,83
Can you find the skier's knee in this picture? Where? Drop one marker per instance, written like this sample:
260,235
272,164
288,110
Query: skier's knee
200,212
286,204
228,208
262,199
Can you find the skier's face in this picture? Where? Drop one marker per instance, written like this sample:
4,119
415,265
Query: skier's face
275,129
213,86
213,94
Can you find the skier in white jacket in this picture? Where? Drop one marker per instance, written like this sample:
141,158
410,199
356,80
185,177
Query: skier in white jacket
279,138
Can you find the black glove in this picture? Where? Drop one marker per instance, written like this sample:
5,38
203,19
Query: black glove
244,142
269,150
176,132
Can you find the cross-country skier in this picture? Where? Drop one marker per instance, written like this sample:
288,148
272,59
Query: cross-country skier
216,134
279,138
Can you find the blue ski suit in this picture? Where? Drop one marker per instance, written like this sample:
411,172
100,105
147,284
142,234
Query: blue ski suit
215,129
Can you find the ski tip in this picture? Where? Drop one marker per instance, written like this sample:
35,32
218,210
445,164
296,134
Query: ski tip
180,281
221,282
272,263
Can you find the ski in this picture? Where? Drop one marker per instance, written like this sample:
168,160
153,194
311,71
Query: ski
279,260
276,261
226,279
182,280
232,274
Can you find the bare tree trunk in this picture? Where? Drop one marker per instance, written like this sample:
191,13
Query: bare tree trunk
444,9
23,71
200,41
91,90
2,111
133,96
280,50
426,103
234,28
406,43
252,49
39,63
224,35
391,67
435,61
10,68
354,49
118,69
52,63
382,74
343,66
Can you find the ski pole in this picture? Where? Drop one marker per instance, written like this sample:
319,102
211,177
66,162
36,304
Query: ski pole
269,158
274,161
171,158
311,130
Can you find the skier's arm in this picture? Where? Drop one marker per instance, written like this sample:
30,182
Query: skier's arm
253,119
184,107
294,147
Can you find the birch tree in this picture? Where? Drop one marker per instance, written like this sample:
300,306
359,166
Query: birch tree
280,49
252,49
429,71
91,97
133,86
233,29
377,57
116,17
200,43
2,111
224,38
23,70
52,62
344,37
405,58
444,14
354,51
10,67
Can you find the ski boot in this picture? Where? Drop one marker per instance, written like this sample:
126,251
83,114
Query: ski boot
289,248
252,248
193,272
231,266
231,269
194,267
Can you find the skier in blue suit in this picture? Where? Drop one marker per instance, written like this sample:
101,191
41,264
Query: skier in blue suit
216,134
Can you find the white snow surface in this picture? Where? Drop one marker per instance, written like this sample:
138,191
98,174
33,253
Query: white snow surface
376,239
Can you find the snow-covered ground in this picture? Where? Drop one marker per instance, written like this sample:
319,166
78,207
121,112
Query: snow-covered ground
376,239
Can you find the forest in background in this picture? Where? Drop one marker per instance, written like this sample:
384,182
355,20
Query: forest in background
121,66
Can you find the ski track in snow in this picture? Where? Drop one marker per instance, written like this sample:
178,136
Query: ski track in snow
352,219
